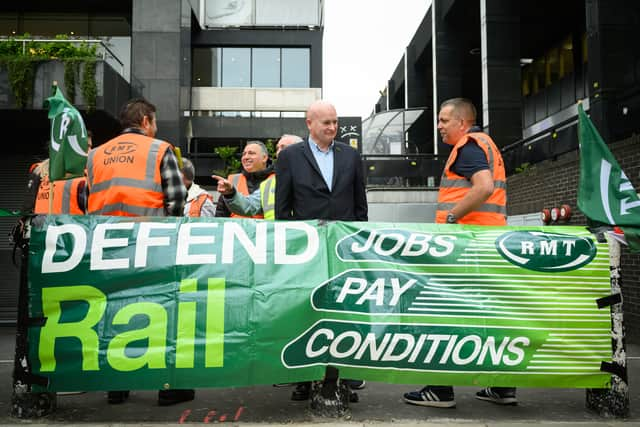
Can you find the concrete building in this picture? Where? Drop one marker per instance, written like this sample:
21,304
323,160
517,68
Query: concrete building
220,73
524,65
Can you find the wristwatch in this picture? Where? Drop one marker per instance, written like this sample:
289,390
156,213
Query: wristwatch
451,218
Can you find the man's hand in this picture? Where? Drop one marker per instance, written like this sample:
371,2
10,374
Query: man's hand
224,186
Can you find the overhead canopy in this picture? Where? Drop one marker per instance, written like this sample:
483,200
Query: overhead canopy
387,132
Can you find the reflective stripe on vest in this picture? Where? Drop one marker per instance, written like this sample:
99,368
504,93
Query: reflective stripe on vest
268,198
65,197
195,207
454,187
42,198
239,182
124,176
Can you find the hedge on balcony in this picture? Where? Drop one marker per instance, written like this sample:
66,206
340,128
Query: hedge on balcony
21,58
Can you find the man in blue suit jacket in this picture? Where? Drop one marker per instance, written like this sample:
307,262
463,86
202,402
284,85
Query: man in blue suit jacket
320,178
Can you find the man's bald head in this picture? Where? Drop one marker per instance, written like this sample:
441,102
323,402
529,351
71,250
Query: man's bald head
285,141
322,122
318,107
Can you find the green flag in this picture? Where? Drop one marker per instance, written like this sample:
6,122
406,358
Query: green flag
605,194
68,146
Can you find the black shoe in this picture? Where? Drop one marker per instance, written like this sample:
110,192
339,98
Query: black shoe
302,391
117,397
171,397
499,395
434,396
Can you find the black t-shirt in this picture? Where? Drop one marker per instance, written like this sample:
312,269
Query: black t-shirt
470,159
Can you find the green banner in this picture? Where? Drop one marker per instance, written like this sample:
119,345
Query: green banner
150,303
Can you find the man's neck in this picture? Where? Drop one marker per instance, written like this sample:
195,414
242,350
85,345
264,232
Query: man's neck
134,130
321,146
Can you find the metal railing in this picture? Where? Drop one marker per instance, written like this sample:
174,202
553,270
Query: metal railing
403,170
105,51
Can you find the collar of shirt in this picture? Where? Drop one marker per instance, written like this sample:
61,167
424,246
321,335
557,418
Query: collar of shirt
324,160
314,147
133,130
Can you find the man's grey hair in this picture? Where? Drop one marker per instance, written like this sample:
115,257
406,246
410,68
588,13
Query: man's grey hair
296,138
188,170
263,147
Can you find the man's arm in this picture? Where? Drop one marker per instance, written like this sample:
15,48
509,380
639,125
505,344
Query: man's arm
236,202
361,208
240,204
175,193
284,186
481,190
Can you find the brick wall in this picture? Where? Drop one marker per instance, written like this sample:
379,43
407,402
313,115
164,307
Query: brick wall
553,183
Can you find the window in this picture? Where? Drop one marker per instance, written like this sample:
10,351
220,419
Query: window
295,68
553,66
266,67
236,68
251,67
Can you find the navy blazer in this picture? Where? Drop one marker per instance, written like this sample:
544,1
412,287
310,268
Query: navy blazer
302,194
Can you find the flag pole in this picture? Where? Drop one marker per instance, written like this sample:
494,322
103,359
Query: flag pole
54,86
614,401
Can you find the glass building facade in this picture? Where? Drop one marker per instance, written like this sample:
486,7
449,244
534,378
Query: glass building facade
257,67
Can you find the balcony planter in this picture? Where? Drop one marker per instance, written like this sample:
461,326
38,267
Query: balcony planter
22,59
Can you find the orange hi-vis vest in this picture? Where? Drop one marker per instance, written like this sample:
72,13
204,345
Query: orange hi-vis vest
124,176
454,187
239,182
65,197
196,204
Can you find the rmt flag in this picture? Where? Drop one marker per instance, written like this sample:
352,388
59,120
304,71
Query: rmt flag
68,147
605,194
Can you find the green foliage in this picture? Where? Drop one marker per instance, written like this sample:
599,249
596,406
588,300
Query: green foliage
271,149
524,168
21,72
22,59
89,87
231,163
71,71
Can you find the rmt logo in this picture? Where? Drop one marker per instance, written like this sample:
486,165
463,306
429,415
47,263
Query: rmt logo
548,252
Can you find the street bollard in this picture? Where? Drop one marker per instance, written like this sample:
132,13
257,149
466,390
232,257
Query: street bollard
330,397
24,402
613,402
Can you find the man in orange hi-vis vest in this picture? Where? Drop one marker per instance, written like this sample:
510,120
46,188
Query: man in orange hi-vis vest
199,201
135,174
255,169
473,190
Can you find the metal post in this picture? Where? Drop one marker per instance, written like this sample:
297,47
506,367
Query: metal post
330,397
614,402
24,402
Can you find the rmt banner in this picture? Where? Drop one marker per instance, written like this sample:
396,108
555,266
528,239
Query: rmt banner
147,303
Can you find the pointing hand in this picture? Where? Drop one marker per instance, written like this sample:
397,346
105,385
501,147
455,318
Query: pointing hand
224,185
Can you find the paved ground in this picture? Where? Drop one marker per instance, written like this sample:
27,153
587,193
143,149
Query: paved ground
379,404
